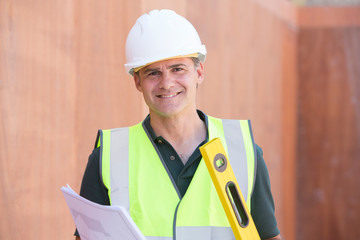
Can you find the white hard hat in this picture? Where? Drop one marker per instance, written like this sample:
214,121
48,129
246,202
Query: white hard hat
160,35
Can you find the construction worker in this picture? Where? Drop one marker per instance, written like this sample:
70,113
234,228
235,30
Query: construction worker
155,169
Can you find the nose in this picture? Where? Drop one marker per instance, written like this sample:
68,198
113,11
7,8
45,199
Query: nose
167,81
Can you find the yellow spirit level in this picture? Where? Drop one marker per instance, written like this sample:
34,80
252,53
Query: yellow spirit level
228,190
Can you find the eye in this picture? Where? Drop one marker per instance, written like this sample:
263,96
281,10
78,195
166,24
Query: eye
153,73
177,69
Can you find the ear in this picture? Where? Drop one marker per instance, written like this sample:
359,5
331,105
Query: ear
200,72
136,77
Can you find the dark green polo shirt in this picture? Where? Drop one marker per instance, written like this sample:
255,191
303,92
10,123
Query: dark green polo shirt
182,175
262,205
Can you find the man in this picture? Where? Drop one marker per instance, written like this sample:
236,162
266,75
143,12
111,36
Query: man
155,168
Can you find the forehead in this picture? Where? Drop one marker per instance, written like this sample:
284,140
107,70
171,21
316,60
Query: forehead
170,62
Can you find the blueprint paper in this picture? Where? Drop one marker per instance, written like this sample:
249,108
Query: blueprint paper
95,221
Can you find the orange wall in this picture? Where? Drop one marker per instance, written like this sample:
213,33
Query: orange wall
62,78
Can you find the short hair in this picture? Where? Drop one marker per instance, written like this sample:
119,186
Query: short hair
196,61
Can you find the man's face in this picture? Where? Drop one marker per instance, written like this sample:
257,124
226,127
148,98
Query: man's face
169,86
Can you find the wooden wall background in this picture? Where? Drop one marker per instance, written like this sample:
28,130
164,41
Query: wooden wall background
293,70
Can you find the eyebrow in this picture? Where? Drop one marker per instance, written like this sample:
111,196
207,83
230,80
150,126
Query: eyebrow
169,67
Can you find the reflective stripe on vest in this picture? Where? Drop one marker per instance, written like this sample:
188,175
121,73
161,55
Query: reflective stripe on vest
158,238
204,233
190,221
115,146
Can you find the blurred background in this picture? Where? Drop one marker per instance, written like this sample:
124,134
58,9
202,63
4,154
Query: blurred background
292,67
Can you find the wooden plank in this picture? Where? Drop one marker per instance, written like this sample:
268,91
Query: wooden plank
329,135
289,132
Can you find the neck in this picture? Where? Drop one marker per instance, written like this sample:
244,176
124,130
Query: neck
183,132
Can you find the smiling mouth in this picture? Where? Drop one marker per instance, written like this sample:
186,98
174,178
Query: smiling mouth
168,95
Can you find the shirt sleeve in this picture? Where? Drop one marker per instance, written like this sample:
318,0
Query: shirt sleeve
92,187
262,203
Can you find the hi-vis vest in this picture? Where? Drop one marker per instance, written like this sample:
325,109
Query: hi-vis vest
137,178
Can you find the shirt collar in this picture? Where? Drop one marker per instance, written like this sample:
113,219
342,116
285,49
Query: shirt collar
153,136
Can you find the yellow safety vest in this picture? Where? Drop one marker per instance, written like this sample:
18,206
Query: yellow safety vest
137,178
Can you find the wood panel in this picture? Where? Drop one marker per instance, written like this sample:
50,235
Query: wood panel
320,154
62,78
37,89
329,134
289,131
